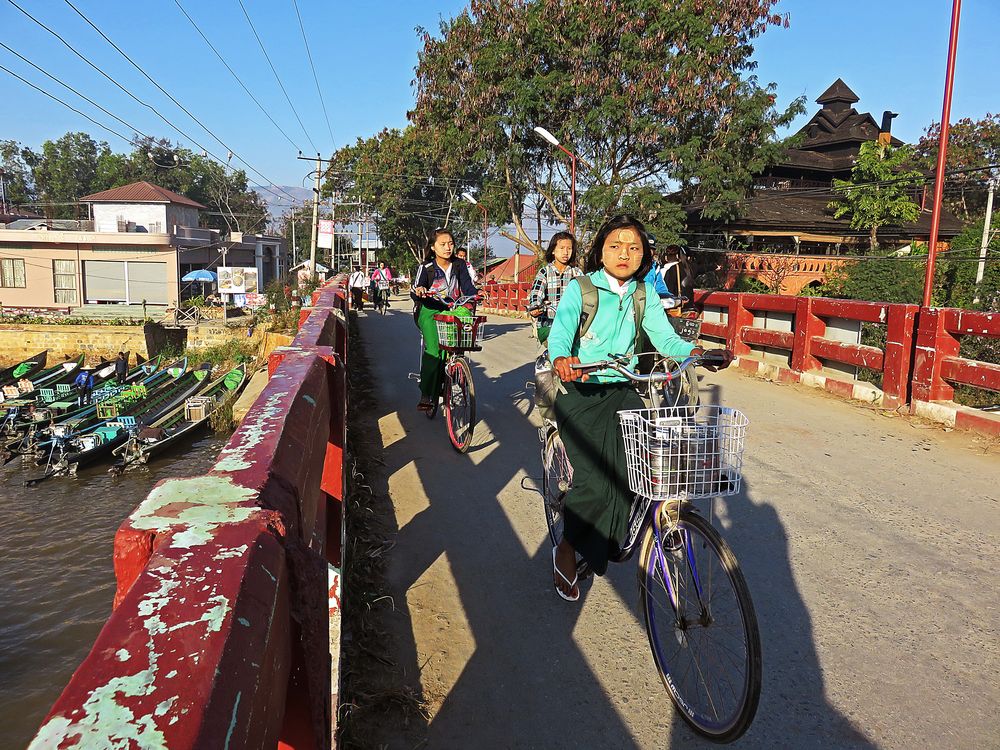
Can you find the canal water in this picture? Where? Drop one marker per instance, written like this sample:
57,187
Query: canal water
56,575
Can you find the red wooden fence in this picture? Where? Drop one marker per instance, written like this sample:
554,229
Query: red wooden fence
920,361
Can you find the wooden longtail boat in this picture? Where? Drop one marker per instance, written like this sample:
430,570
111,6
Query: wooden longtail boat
24,369
64,372
181,423
69,453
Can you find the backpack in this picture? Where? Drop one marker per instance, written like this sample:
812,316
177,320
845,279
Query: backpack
588,310
546,383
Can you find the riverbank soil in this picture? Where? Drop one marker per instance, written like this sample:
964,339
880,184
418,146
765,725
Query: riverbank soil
381,703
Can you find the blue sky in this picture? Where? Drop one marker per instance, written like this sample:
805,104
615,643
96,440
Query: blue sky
891,52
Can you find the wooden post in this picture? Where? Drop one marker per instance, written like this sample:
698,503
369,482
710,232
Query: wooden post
739,317
898,355
808,326
933,345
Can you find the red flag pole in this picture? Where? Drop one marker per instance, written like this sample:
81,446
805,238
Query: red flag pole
949,81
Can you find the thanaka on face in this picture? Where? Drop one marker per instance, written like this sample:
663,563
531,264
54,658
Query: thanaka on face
562,253
622,253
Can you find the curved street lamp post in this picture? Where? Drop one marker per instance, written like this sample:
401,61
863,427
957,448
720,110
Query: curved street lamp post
546,135
474,202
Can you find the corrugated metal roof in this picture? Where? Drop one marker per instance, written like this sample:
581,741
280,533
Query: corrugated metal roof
140,192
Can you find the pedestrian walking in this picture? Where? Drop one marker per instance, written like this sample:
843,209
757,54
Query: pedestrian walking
358,282
121,368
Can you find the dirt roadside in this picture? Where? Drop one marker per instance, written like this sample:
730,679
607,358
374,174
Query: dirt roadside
381,705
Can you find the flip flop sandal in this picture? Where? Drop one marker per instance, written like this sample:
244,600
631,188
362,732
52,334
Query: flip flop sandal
571,584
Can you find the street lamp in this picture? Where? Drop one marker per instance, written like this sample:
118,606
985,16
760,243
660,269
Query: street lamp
474,202
546,135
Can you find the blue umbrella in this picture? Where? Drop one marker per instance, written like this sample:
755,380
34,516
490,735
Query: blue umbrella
200,275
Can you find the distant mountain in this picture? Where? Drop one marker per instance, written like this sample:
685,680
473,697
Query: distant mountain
279,198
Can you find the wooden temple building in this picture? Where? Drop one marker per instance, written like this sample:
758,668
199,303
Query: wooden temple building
788,210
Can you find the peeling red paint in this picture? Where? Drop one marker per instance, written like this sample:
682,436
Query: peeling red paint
223,582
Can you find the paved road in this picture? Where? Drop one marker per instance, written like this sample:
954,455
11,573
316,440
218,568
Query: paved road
870,544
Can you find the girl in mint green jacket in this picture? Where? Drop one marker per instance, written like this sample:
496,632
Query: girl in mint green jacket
596,509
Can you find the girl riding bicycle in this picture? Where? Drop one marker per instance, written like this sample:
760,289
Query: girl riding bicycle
380,280
440,274
551,282
597,507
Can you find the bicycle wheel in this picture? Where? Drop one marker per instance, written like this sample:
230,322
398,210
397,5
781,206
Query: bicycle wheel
460,404
683,391
556,482
707,648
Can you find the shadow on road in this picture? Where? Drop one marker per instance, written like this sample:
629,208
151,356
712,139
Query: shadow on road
523,680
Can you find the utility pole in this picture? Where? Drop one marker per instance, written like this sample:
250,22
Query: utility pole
361,246
981,269
315,221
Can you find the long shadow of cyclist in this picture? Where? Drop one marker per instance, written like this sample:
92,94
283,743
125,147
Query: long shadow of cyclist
520,679
794,711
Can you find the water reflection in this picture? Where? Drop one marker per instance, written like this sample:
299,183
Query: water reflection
56,575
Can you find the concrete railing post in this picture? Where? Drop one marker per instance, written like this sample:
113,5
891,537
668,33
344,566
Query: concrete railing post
900,331
808,326
933,345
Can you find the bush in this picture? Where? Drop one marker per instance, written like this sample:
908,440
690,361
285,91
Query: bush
277,299
233,352
751,285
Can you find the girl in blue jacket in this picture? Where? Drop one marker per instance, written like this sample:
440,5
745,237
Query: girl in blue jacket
596,509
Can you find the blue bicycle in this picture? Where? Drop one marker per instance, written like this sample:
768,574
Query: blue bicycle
699,615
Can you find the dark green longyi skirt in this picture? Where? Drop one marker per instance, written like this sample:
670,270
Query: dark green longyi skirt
597,507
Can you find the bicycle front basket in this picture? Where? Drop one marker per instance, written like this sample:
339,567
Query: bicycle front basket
456,333
686,451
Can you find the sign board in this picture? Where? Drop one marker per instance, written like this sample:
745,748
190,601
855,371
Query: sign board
324,237
237,280
255,299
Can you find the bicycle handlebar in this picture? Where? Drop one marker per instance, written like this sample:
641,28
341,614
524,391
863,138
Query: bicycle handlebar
617,363
442,296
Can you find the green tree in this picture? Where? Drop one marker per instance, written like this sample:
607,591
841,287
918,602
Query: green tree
960,274
405,185
652,94
972,145
878,193
15,170
66,170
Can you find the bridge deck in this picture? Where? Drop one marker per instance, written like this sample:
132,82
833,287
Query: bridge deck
869,543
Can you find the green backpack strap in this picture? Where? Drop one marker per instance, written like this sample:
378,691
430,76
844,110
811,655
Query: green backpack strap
588,309
639,307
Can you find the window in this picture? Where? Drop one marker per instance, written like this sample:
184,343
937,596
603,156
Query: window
12,272
64,281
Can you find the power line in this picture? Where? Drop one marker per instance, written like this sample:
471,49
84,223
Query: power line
315,77
65,104
127,92
66,85
276,77
238,80
168,94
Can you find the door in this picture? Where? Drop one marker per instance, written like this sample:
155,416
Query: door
147,281
104,281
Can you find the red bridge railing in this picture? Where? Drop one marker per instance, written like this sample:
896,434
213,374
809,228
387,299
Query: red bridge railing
225,629
919,362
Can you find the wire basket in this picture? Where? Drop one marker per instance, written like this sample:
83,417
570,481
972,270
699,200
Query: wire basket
458,334
692,452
